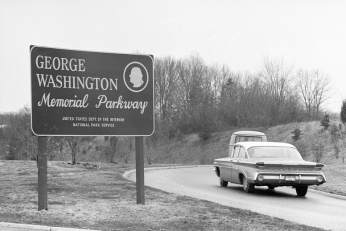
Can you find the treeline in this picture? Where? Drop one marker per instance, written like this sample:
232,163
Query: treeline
16,139
190,97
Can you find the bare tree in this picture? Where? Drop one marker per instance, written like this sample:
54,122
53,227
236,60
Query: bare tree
165,81
318,145
314,89
306,88
72,142
342,130
130,148
277,75
191,78
191,91
230,96
54,146
113,142
16,138
322,89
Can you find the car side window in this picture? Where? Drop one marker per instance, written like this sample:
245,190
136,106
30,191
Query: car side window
242,152
236,152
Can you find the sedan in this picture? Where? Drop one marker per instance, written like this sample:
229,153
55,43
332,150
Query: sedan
270,164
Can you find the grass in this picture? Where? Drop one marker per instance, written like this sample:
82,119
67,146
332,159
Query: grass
98,197
336,178
335,169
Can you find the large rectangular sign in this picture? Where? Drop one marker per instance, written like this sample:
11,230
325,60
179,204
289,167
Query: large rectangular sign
90,93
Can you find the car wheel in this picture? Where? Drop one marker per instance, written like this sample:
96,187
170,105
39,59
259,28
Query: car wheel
301,190
271,187
223,183
248,187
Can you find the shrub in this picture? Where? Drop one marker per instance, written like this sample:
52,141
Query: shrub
334,132
343,112
296,134
325,122
204,136
303,148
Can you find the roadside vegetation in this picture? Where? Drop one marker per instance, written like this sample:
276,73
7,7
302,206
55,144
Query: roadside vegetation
198,107
96,196
93,194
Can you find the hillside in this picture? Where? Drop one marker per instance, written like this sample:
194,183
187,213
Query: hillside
315,144
192,149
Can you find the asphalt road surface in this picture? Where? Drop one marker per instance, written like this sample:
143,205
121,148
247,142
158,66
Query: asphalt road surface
316,209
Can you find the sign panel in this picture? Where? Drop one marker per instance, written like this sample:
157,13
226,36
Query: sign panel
90,93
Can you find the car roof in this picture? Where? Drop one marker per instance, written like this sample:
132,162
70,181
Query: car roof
264,144
249,133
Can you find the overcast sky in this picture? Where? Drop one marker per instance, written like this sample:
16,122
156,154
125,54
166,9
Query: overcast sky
306,34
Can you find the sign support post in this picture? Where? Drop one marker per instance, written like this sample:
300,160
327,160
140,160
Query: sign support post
42,173
140,169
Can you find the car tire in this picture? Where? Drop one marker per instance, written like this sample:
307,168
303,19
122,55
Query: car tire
247,186
301,190
223,183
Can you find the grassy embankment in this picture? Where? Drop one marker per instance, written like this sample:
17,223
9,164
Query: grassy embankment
96,196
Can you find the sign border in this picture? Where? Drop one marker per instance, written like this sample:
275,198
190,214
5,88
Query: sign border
31,95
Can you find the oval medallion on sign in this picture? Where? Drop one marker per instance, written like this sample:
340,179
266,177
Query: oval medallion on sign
136,77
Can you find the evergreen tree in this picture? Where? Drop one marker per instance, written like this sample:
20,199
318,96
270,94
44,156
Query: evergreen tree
297,133
325,122
343,112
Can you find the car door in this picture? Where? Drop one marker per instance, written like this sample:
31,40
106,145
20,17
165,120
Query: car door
236,167
226,168
233,162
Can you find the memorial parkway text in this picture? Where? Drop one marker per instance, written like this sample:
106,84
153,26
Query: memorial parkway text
83,103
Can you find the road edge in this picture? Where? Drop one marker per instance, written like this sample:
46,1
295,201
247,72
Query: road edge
128,173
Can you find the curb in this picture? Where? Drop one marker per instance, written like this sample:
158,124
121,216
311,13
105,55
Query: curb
328,194
27,227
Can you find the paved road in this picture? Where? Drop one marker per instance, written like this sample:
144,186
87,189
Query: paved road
316,209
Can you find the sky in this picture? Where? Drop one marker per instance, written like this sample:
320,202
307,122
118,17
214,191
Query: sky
308,34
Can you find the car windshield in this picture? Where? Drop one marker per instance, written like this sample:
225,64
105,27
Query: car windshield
274,152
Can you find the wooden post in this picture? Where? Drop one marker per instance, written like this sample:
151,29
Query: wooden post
140,169
42,173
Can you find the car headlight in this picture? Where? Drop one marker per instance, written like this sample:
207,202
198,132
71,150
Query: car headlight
260,178
319,179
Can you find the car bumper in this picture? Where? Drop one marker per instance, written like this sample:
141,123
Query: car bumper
288,178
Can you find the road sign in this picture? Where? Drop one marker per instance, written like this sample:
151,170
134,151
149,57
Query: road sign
77,93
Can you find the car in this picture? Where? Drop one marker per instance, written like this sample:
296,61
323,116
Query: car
271,164
245,136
